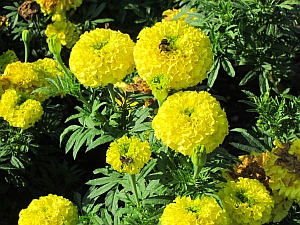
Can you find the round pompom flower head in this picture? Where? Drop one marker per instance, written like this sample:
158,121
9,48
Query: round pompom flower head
189,119
102,57
184,210
176,49
247,202
49,210
128,155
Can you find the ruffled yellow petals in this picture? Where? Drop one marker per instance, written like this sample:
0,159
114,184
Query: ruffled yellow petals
247,202
7,58
175,49
102,56
188,119
49,210
186,211
128,155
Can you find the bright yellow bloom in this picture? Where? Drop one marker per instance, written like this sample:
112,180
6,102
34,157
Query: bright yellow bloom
128,155
247,202
185,211
65,31
187,119
283,168
19,112
102,56
171,13
49,210
7,58
175,49
58,8
26,77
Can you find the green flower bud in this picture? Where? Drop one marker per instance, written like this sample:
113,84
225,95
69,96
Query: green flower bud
199,156
54,44
160,85
26,36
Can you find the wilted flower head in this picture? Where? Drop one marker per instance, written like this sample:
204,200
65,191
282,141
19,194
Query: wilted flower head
19,112
7,58
65,31
175,49
169,14
247,202
128,155
184,210
58,8
188,119
49,210
102,56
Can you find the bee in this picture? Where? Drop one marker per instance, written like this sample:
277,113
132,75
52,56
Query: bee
126,160
164,45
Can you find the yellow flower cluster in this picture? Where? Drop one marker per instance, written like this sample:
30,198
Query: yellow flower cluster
58,8
283,167
175,49
187,119
26,77
247,202
102,56
7,58
184,210
128,155
49,210
65,30
171,13
18,113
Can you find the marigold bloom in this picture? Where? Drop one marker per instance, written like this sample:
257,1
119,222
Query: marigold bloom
175,49
102,56
58,8
49,210
65,30
23,114
187,119
7,58
171,13
247,202
185,211
26,77
283,168
128,155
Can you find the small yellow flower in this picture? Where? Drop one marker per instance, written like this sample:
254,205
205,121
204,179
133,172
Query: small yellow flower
184,211
102,56
49,210
7,58
65,31
188,119
171,13
247,202
128,155
175,49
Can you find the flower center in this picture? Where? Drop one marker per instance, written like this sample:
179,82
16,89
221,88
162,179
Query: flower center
99,46
188,111
240,195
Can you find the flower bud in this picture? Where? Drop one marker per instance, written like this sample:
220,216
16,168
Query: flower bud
26,36
54,44
199,156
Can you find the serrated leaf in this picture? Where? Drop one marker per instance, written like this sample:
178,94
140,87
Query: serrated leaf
226,64
76,134
102,181
105,188
99,141
243,147
16,162
213,74
67,130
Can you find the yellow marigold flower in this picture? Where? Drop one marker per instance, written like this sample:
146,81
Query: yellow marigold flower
17,112
185,211
49,210
26,77
247,202
283,168
102,56
65,30
58,8
171,13
187,119
128,155
175,49
7,58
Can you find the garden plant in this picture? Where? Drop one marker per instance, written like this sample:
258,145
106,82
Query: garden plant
156,112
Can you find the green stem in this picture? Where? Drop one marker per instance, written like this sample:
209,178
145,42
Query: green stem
62,65
111,91
26,46
134,190
197,170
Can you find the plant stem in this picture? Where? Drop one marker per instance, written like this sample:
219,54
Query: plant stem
111,91
26,46
134,190
197,170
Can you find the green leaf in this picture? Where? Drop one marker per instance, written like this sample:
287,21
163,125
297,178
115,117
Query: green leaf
213,74
99,141
226,64
67,130
105,188
248,77
102,181
76,134
16,162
